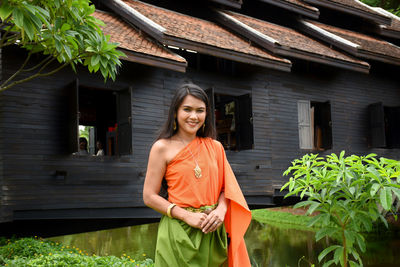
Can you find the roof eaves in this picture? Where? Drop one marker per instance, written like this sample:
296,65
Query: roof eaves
331,38
379,57
352,10
384,29
230,3
345,44
282,50
136,18
265,41
149,60
284,65
300,54
294,8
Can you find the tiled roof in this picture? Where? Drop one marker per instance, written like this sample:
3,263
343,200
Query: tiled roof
353,7
131,39
292,39
200,31
366,43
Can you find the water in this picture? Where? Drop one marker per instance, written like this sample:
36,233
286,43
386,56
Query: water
268,245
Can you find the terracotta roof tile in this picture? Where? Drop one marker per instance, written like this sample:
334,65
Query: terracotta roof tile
292,38
366,43
131,39
200,31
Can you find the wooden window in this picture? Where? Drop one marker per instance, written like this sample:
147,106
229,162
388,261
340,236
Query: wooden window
233,119
384,126
315,125
107,115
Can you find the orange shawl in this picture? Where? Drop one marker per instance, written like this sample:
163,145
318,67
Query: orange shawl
185,190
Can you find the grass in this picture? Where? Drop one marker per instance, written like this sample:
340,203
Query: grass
283,219
37,252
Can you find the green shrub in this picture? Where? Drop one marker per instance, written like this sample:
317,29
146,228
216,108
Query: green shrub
347,192
36,252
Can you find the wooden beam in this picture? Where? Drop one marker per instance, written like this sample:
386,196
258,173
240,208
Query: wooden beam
155,61
230,3
294,8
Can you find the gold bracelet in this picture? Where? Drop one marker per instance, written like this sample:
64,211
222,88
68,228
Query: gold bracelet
169,210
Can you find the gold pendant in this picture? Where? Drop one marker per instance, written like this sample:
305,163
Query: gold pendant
197,171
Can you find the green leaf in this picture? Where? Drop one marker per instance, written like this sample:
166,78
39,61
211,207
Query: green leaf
386,198
338,256
328,263
5,11
326,252
29,28
375,187
18,18
360,242
65,27
326,231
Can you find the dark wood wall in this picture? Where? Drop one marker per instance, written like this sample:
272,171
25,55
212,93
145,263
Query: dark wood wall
34,134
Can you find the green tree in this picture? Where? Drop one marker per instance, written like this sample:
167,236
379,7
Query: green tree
390,5
61,30
346,192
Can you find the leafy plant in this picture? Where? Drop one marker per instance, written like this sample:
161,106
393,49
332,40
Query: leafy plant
63,31
347,193
37,252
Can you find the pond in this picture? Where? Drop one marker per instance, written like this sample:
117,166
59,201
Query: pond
268,245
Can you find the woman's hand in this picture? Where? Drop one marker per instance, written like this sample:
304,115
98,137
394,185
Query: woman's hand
195,219
214,220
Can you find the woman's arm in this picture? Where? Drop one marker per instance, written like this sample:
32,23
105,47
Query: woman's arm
156,168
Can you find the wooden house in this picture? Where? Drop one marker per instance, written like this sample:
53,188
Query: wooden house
285,78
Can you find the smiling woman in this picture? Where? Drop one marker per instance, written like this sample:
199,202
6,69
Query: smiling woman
204,198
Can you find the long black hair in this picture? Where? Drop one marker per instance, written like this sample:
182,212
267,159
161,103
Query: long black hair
167,131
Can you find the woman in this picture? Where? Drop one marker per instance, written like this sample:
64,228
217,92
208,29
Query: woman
204,199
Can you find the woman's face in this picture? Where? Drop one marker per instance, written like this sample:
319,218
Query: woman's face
191,115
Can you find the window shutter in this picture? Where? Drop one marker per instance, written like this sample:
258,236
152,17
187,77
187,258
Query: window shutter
210,95
326,123
73,115
244,122
124,120
392,126
377,125
304,121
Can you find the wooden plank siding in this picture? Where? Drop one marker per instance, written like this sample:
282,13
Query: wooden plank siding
34,134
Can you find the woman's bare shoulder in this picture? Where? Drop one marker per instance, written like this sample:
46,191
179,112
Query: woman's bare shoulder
160,145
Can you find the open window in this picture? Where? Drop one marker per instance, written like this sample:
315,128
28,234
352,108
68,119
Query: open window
315,125
384,126
106,115
233,119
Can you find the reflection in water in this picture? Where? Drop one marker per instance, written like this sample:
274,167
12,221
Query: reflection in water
133,241
278,247
268,245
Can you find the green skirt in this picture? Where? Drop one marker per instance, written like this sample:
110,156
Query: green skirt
180,245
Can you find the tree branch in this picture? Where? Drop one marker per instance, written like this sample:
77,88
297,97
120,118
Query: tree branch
33,77
18,71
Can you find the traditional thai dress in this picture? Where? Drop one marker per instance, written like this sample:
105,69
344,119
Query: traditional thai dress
179,244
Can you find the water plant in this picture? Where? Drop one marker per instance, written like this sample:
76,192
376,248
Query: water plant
349,193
